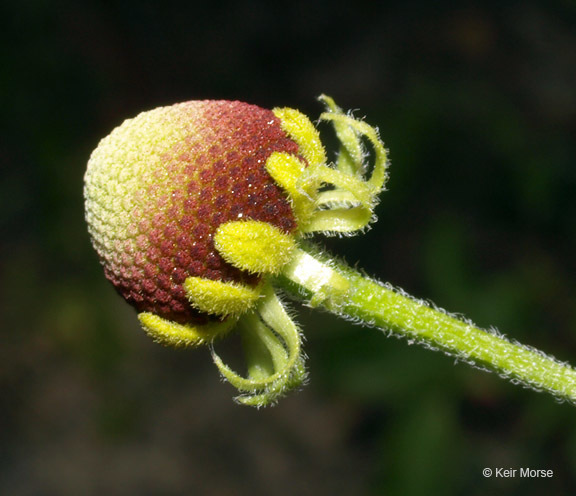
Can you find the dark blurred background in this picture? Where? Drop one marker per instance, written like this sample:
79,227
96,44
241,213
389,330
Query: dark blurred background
477,104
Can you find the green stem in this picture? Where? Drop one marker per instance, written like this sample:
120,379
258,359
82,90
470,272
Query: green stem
347,293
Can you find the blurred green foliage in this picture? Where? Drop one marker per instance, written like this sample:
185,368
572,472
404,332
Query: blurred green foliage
476,102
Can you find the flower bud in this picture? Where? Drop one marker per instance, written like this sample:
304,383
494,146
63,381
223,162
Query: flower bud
193,207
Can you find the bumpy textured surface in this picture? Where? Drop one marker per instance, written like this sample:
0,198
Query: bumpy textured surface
158,187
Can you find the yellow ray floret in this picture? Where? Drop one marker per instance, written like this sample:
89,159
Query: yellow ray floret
254,246
303,132
287,171
220,298
181,335
333,198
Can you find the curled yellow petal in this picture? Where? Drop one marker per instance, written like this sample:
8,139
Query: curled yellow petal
181,335
303,132
287,171
254,246
220,298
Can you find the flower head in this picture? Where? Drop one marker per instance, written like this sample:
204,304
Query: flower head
193,208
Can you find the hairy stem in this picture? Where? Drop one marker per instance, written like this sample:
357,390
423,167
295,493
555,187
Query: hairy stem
349,294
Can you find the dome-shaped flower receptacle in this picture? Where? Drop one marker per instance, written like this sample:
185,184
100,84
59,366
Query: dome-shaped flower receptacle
160,185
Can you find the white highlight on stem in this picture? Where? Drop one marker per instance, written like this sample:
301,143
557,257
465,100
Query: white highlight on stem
326,285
